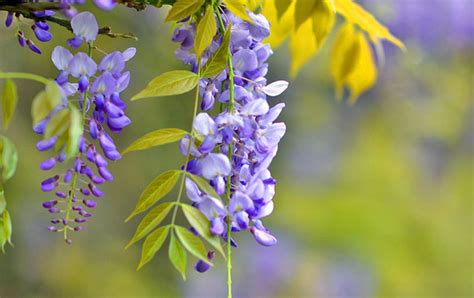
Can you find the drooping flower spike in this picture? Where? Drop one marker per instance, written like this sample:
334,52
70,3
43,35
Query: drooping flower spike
97,88
250,128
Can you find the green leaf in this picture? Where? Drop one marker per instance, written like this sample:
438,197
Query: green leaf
150,221
192,243
74,132
3,202
204,185
177,255
7,226
58,124
218,61
45,102
156,190
237,7
200,222
205,32
9,101
170,83
152,244
9,158
157,138
183,9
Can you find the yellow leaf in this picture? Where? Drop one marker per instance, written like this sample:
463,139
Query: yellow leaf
343,55
206,29
302,46
354,13
282,6
303,11
281,27
364,74
237,7
255,5
323,21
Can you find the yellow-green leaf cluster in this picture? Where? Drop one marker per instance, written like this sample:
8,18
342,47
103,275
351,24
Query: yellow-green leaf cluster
9,101
307,23
206,29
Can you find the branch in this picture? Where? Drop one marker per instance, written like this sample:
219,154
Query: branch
27,11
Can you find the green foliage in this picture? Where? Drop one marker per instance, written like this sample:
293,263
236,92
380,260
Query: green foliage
157,138
150,221
177,255
204,185
74,132
9,158
205,32
5,230
192,243
9,101
155,191
45,102
199,221
152,244
183,9
218,61
3,202
237,7
170,83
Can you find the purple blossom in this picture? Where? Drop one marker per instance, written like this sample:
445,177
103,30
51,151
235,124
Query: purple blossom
99,85
250,128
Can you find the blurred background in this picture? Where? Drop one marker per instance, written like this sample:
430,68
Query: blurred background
373,200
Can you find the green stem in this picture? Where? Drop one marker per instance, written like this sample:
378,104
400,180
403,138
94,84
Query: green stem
22,75
188,154
231,149
75,175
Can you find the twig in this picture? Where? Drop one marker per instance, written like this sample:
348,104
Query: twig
27,11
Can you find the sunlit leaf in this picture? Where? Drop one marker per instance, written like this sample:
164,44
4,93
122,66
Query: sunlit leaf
343,54
150,221
182,9
157,138
192,243
177,255
302,46
204,185
354,13
5,230
324,18
58,124
170,83
155,191
281,26
45,102
281,7
3,202
364,74
9,158
152,244
303,11
9,101
218,61
205,32
74,132
237,7
200,222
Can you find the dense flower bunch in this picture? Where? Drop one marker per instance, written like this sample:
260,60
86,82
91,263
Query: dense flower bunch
245,131
97,88
40,27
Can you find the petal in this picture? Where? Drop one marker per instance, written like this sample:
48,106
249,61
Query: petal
276,88
81,64
214,165
85,25
262,237
193,192
129,54
255,108
204,124
245,60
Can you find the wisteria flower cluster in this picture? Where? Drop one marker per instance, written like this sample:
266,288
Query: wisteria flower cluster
97,88
247,133
40,26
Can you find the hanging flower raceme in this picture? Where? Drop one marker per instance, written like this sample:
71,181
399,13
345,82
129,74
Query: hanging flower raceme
97,88
247,130
40,26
